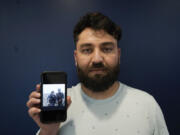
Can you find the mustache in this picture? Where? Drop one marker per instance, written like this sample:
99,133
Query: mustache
98,66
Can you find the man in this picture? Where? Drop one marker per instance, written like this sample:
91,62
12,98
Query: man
51,99
101,104
59,96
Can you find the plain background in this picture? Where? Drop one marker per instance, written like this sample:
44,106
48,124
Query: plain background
36,35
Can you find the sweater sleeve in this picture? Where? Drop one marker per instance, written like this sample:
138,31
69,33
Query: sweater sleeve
159,121
38,132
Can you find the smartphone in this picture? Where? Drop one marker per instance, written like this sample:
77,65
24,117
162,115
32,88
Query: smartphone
53,97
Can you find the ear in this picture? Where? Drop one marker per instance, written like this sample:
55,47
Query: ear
119,54
75,57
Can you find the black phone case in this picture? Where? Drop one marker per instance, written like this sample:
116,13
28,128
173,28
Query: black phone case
52,116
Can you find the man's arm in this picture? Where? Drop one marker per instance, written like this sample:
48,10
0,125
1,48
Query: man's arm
159,121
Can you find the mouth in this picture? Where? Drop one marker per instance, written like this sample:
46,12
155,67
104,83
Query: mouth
97,70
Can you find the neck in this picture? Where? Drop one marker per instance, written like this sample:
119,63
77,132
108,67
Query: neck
101,95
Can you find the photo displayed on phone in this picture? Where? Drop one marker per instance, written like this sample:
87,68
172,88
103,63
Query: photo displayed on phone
53,96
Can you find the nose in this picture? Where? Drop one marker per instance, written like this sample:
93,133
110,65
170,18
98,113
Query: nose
97,56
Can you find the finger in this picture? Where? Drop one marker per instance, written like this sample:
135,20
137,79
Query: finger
69,100
34,111
33,102
34,94
38,87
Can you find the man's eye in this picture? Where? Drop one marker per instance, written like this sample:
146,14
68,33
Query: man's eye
86,51
107,50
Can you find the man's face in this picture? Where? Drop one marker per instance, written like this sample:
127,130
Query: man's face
97,58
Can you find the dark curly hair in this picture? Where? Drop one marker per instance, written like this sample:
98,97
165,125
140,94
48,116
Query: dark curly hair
97,21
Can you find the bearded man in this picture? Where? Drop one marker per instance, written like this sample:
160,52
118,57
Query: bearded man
101,104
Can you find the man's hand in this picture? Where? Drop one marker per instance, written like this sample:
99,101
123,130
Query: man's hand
34,109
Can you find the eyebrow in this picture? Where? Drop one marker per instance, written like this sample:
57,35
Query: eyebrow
102,44
107,44
85,45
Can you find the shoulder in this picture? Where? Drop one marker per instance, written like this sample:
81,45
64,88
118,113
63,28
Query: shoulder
74,91
137,95
76,87
140,100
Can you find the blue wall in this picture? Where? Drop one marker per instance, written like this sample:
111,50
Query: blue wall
36,35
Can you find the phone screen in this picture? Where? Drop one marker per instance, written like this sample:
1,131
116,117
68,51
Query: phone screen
53,97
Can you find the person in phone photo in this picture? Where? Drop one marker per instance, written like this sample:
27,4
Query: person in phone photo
60,98
52,99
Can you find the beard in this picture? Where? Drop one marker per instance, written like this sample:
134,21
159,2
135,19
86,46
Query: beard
99,82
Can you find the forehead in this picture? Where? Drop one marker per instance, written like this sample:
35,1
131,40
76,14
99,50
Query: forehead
91,36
